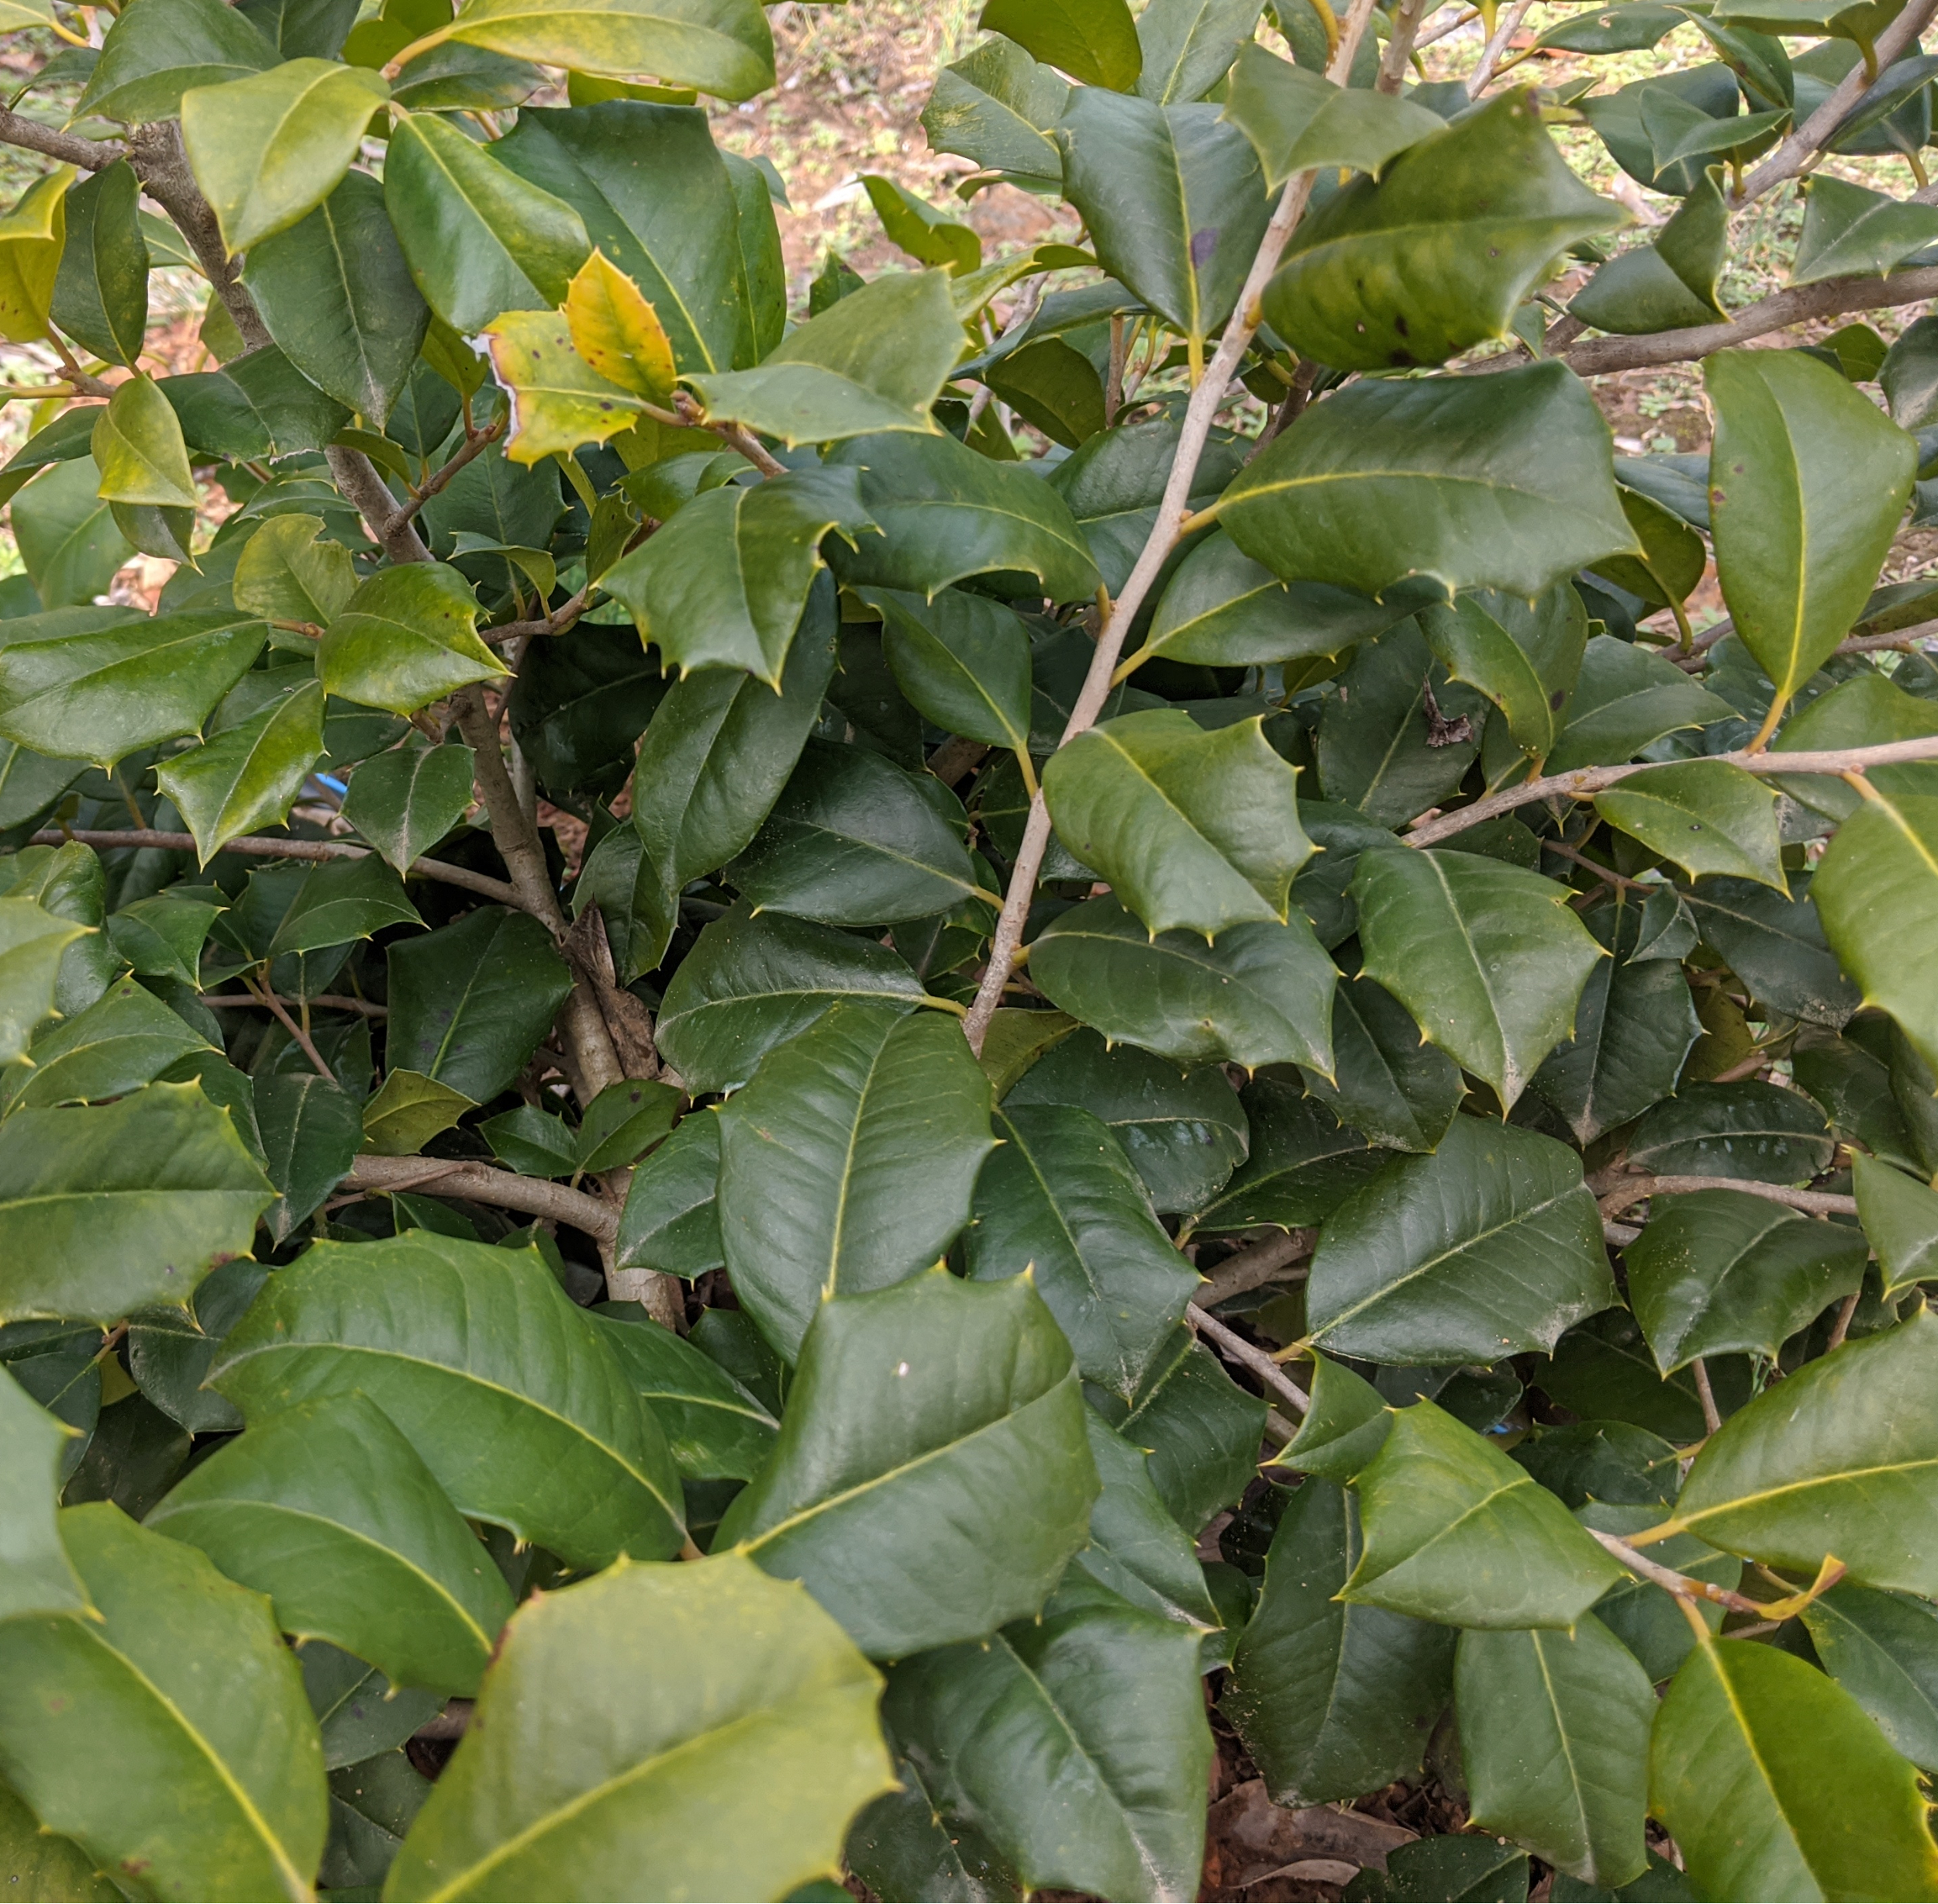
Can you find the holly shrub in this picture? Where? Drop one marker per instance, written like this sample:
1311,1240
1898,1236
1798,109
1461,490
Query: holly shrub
780,1087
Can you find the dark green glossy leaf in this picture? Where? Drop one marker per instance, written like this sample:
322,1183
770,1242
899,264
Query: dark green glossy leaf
1497,482
1748,1130
715,1429
1776,947
848,1163
1554,1740
405,801
1136,1549
256,405
1707,816
1259,995
1076,1743
1331,1699
341,900
1059,1198
149,61
670,1222
1297,119
1490,1247
995,106
939,1422
311,1129
98,695
1342,1430
946,513
526,1419
1900,1220
962,660
1185,1131
1799,532
753,980
1199,1431
100,293
1092,40
1173,199
1882,1648
1191,829
1487,956
1304,1163
1387,1081
125,1039
37,1578
338,299
469,1003
357,1711
1454,1531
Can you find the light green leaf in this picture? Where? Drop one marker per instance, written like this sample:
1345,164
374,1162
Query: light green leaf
1332,1697
1851,232
100,694
1297,120
1775,1784
995,106
170,1739
1554,1740
1899,1215
407,637
1501,482
724,1684
1841,1459
480,240
1671,284
32,235
138,447
1092,40
1077,1744
725,584
1456,1532
526,1419
32,941
1706,815
914,225
1489,1247
287,572
38,1862
1191,829
1174,200
36,1576
1808,480
1059,1198
408,1111
1439,254
125,1039
1876,892
326,1508
1261,994
875,361
558,401
1487,956
109,1208
959,1421
268,150
717,46
248,776
848,1163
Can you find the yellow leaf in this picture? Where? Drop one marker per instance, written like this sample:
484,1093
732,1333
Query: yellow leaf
557,400
31,237
618,332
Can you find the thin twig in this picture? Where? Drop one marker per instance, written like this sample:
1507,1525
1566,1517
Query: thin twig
1802,146
480,1183
561,617
266,997
258,847
1396,57
90,155
1250,1268
1680,1585
1585,782
1640,1189
1712,1415
1237,1348
329,1001
1841,1327
473,446
1491,54
1205,401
